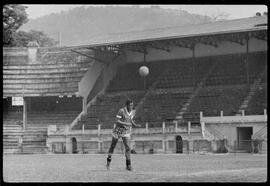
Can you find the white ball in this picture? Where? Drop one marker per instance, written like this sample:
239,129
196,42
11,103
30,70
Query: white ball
143,71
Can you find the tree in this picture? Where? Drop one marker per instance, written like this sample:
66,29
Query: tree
14,16
21,39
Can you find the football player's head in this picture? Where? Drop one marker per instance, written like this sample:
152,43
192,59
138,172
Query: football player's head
129,104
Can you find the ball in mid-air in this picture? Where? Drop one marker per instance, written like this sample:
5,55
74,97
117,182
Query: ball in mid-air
143,71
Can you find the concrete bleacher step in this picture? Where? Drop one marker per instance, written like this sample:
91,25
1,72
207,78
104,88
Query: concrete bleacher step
11,146
12,132
34,137
32,145
10,143
10,138
34,140
35,129
15,131
31,133
16,124
33,150
12,126
11,151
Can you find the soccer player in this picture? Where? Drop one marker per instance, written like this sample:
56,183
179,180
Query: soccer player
124,121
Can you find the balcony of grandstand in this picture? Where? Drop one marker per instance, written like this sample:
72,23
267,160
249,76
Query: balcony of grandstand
223,90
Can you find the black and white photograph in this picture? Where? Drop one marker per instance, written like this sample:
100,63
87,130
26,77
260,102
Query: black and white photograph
134,93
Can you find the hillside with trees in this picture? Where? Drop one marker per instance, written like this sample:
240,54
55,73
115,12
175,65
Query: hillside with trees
85,23
14,16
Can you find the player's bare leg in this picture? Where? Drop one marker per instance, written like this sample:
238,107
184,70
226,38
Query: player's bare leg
127,153
109,158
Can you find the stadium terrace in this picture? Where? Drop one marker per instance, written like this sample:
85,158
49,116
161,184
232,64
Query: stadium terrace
205,91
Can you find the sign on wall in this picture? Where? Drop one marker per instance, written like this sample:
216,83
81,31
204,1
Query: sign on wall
17,101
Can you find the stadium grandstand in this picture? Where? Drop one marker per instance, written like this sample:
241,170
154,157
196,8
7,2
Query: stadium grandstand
206,91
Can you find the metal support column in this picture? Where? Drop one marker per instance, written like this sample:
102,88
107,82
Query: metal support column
247,65
24,113
144,62
193,64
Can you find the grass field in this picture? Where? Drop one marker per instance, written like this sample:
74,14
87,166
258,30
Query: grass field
147,168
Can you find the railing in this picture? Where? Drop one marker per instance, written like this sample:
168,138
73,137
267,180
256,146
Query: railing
259,133
215,133
234,119
66,130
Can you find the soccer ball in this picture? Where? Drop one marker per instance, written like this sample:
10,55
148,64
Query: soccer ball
143,71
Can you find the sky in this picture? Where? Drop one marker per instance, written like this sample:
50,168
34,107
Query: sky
233,11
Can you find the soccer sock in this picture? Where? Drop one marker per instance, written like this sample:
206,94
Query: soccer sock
109,159
128,162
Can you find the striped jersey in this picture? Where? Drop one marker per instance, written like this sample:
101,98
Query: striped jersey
124,116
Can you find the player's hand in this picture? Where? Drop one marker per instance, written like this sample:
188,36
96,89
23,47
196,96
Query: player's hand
138,125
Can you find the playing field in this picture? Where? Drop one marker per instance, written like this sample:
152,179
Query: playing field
147,168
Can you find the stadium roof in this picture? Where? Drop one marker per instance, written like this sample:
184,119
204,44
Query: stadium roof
219,27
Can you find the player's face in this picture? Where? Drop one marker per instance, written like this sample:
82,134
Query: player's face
130,106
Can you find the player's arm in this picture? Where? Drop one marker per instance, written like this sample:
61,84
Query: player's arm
133,123
118,121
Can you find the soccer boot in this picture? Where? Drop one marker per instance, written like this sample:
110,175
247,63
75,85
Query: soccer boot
129,168
128,165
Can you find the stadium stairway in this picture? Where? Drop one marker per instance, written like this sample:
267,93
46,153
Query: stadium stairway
254,87
213,134
12,134
261,134
34,140
179,116
83,113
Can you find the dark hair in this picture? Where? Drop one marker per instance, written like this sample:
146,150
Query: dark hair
128,102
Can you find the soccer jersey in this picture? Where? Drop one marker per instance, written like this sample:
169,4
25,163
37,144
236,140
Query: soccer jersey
124,116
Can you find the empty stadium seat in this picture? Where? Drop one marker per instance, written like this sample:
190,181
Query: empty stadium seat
258,102
224,89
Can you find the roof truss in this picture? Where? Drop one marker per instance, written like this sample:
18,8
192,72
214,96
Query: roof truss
261,35
136,47
159,45
184,43
164,45
91,57
207,40
238,38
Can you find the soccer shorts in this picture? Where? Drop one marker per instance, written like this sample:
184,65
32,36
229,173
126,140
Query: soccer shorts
120,131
